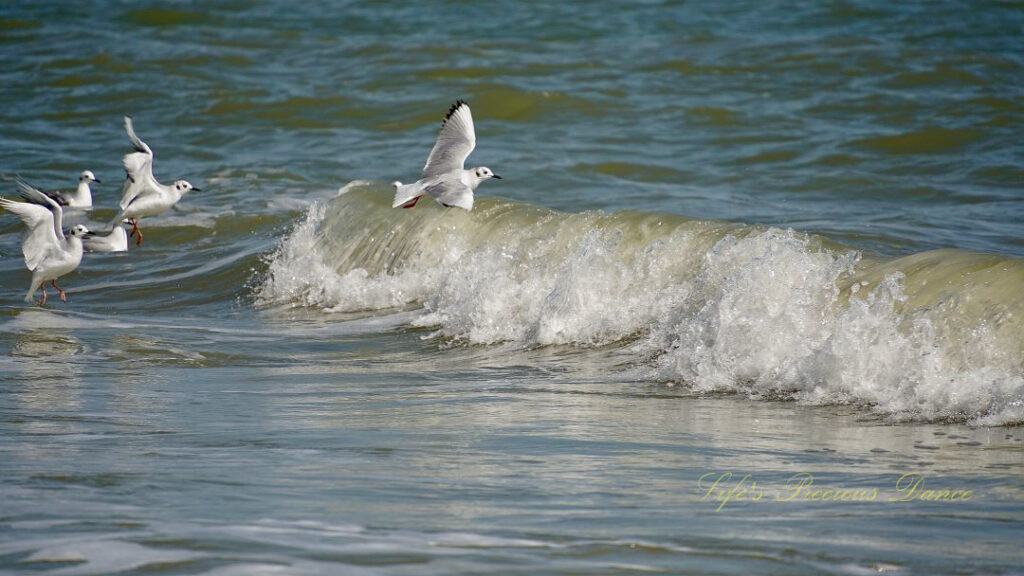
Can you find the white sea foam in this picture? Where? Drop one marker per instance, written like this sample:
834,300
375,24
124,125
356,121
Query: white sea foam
299,273
717,307
196,218
105,557
765,317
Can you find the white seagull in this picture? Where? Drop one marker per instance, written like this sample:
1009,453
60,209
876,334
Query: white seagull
142,194
115,241
48,253
444,177
81,197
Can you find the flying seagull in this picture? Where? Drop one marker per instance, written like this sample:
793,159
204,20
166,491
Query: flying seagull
444,177
142,194
49,254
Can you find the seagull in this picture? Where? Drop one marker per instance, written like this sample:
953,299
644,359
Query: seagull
48,253
81,197
115,241
444,177
142,194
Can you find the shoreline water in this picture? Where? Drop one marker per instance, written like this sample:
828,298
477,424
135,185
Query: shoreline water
570,452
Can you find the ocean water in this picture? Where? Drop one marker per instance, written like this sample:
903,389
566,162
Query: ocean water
747,300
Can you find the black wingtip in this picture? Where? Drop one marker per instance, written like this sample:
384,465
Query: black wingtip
57,198
458,104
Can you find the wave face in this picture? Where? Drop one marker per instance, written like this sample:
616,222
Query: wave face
715,306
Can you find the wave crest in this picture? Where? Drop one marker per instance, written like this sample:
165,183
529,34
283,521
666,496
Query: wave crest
715,306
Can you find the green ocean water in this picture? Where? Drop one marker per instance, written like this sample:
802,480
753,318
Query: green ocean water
757,240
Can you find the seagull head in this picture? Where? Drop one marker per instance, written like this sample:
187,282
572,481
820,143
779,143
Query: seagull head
79,231
484,173
183,187
88,176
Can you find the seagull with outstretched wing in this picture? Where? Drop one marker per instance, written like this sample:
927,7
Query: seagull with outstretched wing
49,254
444,178
142,195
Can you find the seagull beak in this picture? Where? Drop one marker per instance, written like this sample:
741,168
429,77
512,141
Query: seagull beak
97,180
90,233
194,189
498,177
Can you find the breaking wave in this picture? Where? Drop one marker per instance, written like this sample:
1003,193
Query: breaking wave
714,306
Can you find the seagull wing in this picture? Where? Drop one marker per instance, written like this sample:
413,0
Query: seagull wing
452,194
455,142
138,166
40,240
37,196
57,196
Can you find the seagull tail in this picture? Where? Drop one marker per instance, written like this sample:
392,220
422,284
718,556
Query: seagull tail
406,195
30,296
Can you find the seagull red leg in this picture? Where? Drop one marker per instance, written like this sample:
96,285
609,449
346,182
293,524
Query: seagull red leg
63,296
43,288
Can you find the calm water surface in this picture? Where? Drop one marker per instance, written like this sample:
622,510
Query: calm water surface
753,243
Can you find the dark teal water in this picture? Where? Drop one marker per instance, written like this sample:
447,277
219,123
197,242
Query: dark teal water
746,238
